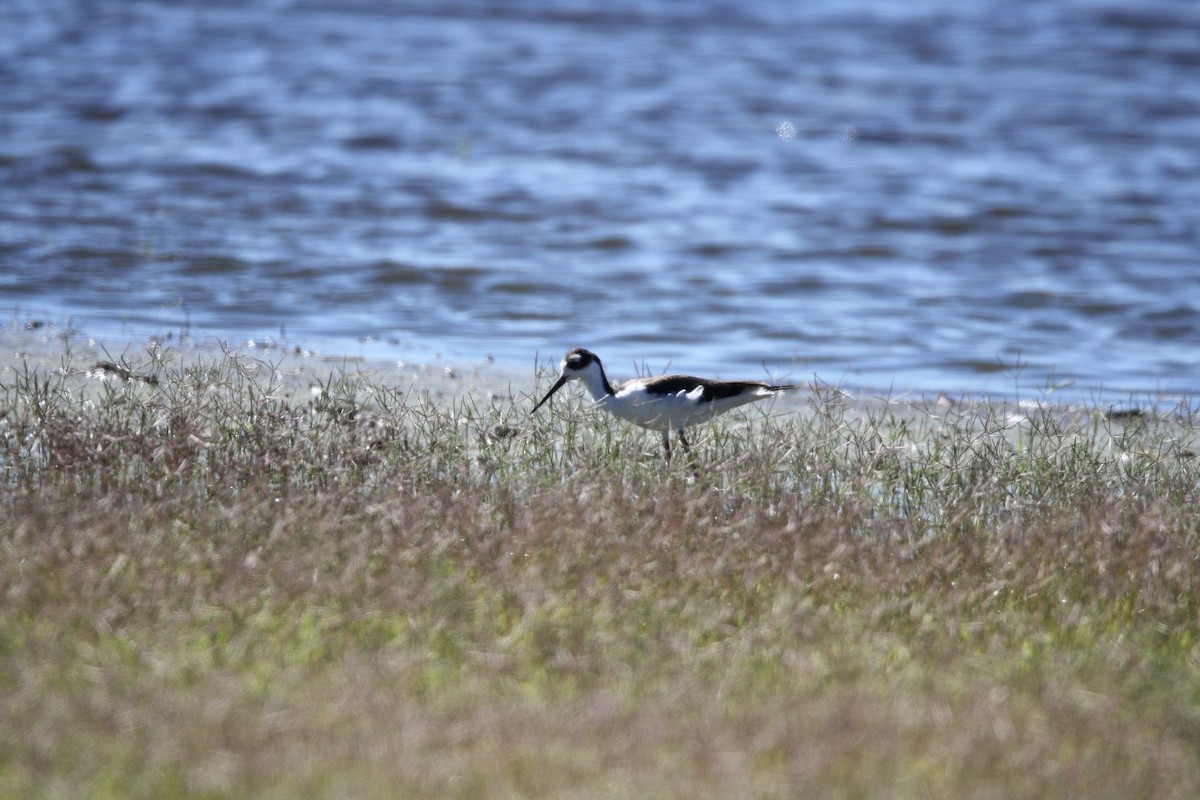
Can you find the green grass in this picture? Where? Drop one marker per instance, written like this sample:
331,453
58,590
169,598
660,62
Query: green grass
215,587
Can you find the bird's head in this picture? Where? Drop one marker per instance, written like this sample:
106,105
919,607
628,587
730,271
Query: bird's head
576,365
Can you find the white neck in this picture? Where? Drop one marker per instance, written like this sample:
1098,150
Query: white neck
594,379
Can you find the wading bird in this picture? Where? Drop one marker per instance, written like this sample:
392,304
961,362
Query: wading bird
664,403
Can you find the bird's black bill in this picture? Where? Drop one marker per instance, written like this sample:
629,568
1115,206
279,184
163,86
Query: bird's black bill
558,385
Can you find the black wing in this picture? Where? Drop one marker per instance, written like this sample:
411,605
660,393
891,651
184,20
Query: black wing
712,390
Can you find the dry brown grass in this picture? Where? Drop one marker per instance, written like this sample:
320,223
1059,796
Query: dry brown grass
211,592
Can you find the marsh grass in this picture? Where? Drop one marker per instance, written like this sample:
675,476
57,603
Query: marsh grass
215,585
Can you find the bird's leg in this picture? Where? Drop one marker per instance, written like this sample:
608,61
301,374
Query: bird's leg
691,456
667,445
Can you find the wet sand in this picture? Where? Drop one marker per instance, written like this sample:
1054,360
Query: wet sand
299,373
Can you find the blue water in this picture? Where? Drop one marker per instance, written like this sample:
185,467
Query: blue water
996,196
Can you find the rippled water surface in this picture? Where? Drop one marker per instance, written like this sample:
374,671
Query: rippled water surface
986,197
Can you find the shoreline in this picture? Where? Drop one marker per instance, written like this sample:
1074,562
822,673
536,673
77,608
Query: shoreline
300,370
297,369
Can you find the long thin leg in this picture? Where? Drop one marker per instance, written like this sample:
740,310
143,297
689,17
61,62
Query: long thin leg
667,445
691,456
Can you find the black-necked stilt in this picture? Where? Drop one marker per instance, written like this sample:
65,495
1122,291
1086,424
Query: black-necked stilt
664,403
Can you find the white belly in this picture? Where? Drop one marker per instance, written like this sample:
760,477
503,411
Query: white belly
658,412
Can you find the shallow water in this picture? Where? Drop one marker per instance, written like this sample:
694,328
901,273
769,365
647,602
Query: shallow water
968,197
